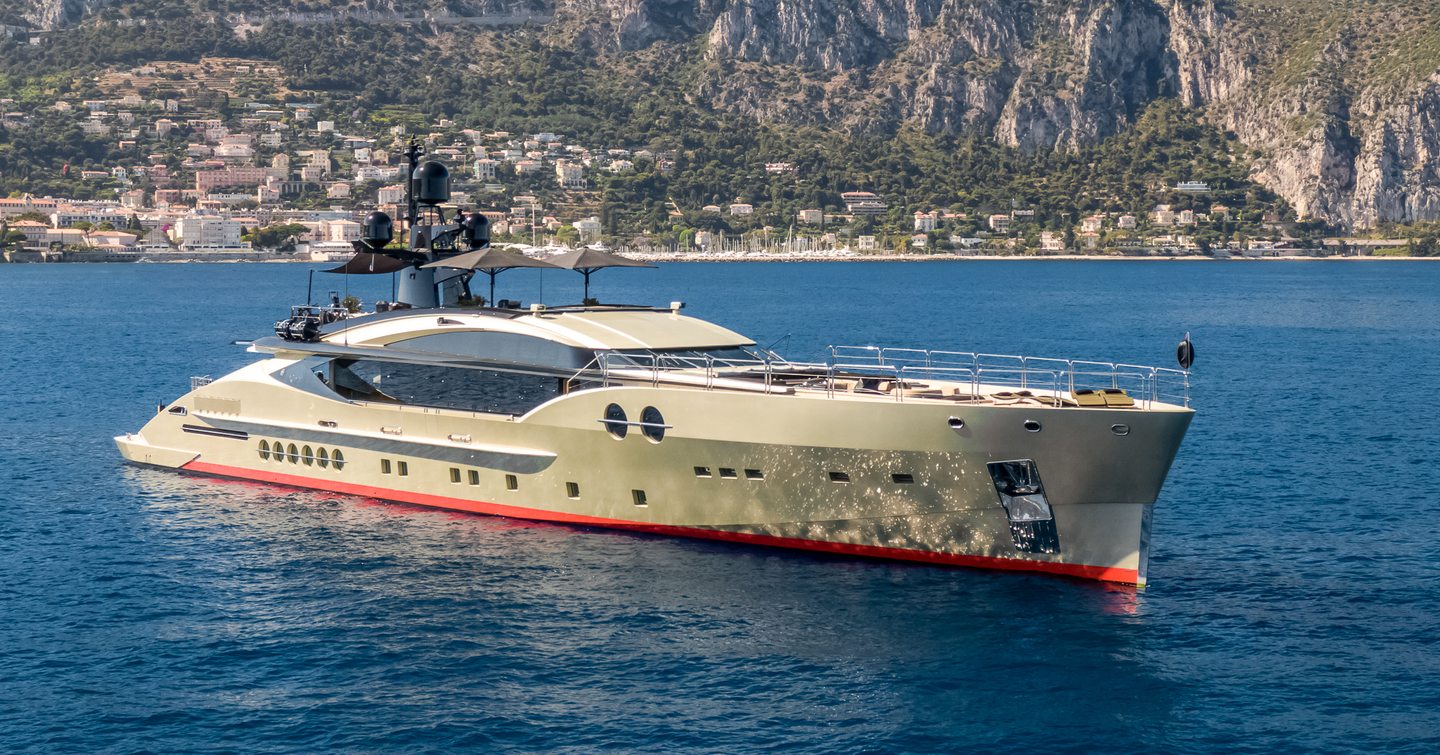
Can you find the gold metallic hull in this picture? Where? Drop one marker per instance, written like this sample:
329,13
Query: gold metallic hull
741,466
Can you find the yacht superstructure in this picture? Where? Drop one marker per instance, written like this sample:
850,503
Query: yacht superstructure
648,419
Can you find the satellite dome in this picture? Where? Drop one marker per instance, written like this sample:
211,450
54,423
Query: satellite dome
377,229
432,183
476,228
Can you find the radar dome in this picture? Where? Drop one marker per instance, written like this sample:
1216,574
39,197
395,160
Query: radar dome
377,229
432,183
476,228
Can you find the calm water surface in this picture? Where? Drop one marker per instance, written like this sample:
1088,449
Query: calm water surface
1296,575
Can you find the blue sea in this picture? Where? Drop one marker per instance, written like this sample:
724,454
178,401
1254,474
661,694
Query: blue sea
1295,598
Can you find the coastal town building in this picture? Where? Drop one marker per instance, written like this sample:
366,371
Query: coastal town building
863,203
588,230
570,175
206,233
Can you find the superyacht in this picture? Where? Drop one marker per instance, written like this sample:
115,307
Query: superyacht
647,419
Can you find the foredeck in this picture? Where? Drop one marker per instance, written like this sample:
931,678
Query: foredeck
901,374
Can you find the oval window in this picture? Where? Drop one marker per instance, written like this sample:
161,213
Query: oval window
652,424
339,459
292,453
264,450
322,457
615,421
307,455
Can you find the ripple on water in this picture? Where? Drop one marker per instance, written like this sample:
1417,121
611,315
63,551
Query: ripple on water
1294,603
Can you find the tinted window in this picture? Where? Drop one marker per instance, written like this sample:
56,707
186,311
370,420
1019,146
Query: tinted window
653,424
444,387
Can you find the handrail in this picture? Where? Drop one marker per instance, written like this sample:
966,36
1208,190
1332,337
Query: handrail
868,369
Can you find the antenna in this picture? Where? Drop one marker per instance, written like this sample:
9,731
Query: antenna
412,156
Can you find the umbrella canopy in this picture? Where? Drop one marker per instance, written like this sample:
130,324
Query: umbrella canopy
369,263
490,261
586,261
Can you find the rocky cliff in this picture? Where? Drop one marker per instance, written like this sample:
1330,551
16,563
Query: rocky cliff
1339,101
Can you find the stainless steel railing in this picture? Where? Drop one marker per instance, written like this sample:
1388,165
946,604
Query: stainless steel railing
900,373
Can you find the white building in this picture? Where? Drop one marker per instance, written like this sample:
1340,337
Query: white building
740,208
207,233
926,222
484,169
589,230
339,231
811,217
390,194
569,175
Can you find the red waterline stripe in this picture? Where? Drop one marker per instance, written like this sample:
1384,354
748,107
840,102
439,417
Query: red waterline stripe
1103,573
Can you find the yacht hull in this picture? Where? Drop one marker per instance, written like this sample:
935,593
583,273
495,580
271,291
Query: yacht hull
850,476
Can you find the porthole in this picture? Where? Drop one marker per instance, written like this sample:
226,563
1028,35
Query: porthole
292,454
616,421
264,450
307,455
402,468
702,471
277,450
572,490
956,423
455,475
1120,429
727,473
842,478
1031,426
639,497
754,474
474,477
384,466
339,459
902,478
652,424
512,482
322,457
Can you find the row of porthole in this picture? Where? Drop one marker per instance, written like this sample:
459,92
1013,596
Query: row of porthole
473,477
652,423
320,457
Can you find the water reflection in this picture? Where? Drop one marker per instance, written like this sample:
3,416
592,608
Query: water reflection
880,645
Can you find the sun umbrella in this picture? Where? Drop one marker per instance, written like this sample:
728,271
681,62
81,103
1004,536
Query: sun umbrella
586,261
491,261
369,263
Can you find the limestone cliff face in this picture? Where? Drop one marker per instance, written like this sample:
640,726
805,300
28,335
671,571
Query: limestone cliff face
1343,132
1338,142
